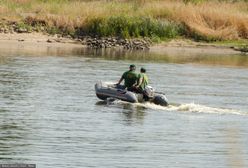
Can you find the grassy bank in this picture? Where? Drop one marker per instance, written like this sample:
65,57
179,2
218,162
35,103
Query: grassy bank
205,20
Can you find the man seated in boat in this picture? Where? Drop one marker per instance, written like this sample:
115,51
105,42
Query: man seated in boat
142,83
142,80
130,78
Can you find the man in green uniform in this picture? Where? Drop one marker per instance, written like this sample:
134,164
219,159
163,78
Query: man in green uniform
142,80
130,78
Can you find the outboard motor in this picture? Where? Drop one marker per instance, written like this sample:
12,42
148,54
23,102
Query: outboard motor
160,100
149,92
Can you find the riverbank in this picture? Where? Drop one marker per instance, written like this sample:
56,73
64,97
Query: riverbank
199,20
39,41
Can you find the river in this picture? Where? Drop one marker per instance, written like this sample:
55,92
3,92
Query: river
50,116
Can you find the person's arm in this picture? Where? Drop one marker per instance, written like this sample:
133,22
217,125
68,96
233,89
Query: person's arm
120,81
122,77
140,82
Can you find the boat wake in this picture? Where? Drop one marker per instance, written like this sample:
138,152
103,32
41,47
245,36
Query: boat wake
190,107
195,108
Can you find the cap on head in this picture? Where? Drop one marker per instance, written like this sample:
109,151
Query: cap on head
132,67
142,70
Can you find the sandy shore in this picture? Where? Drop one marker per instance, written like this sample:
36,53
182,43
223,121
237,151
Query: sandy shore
187,49
38,42
38,39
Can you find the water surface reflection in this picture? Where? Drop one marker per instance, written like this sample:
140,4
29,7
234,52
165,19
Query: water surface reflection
140,56
181,57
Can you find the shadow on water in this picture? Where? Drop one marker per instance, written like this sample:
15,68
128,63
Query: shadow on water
133,114
130,113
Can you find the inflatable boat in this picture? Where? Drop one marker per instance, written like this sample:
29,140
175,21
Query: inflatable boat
107,90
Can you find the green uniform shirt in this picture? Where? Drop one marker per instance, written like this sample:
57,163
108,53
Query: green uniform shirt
130,78
144,80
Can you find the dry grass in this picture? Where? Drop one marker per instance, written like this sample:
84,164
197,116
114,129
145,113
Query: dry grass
217,20
211,19
3,10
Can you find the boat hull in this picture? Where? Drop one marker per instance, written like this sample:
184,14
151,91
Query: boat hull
105,91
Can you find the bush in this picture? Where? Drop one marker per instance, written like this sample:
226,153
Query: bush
126,27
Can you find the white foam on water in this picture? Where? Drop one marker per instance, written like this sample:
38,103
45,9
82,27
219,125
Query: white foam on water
190,107
110,83
197,108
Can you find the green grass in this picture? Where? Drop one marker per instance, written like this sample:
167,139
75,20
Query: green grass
118,26
127,27
238,43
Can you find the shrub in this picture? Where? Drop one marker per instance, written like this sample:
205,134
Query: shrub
126,27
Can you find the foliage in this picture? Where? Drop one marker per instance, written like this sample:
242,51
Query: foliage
126,27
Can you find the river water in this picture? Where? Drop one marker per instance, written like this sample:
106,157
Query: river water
50,116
